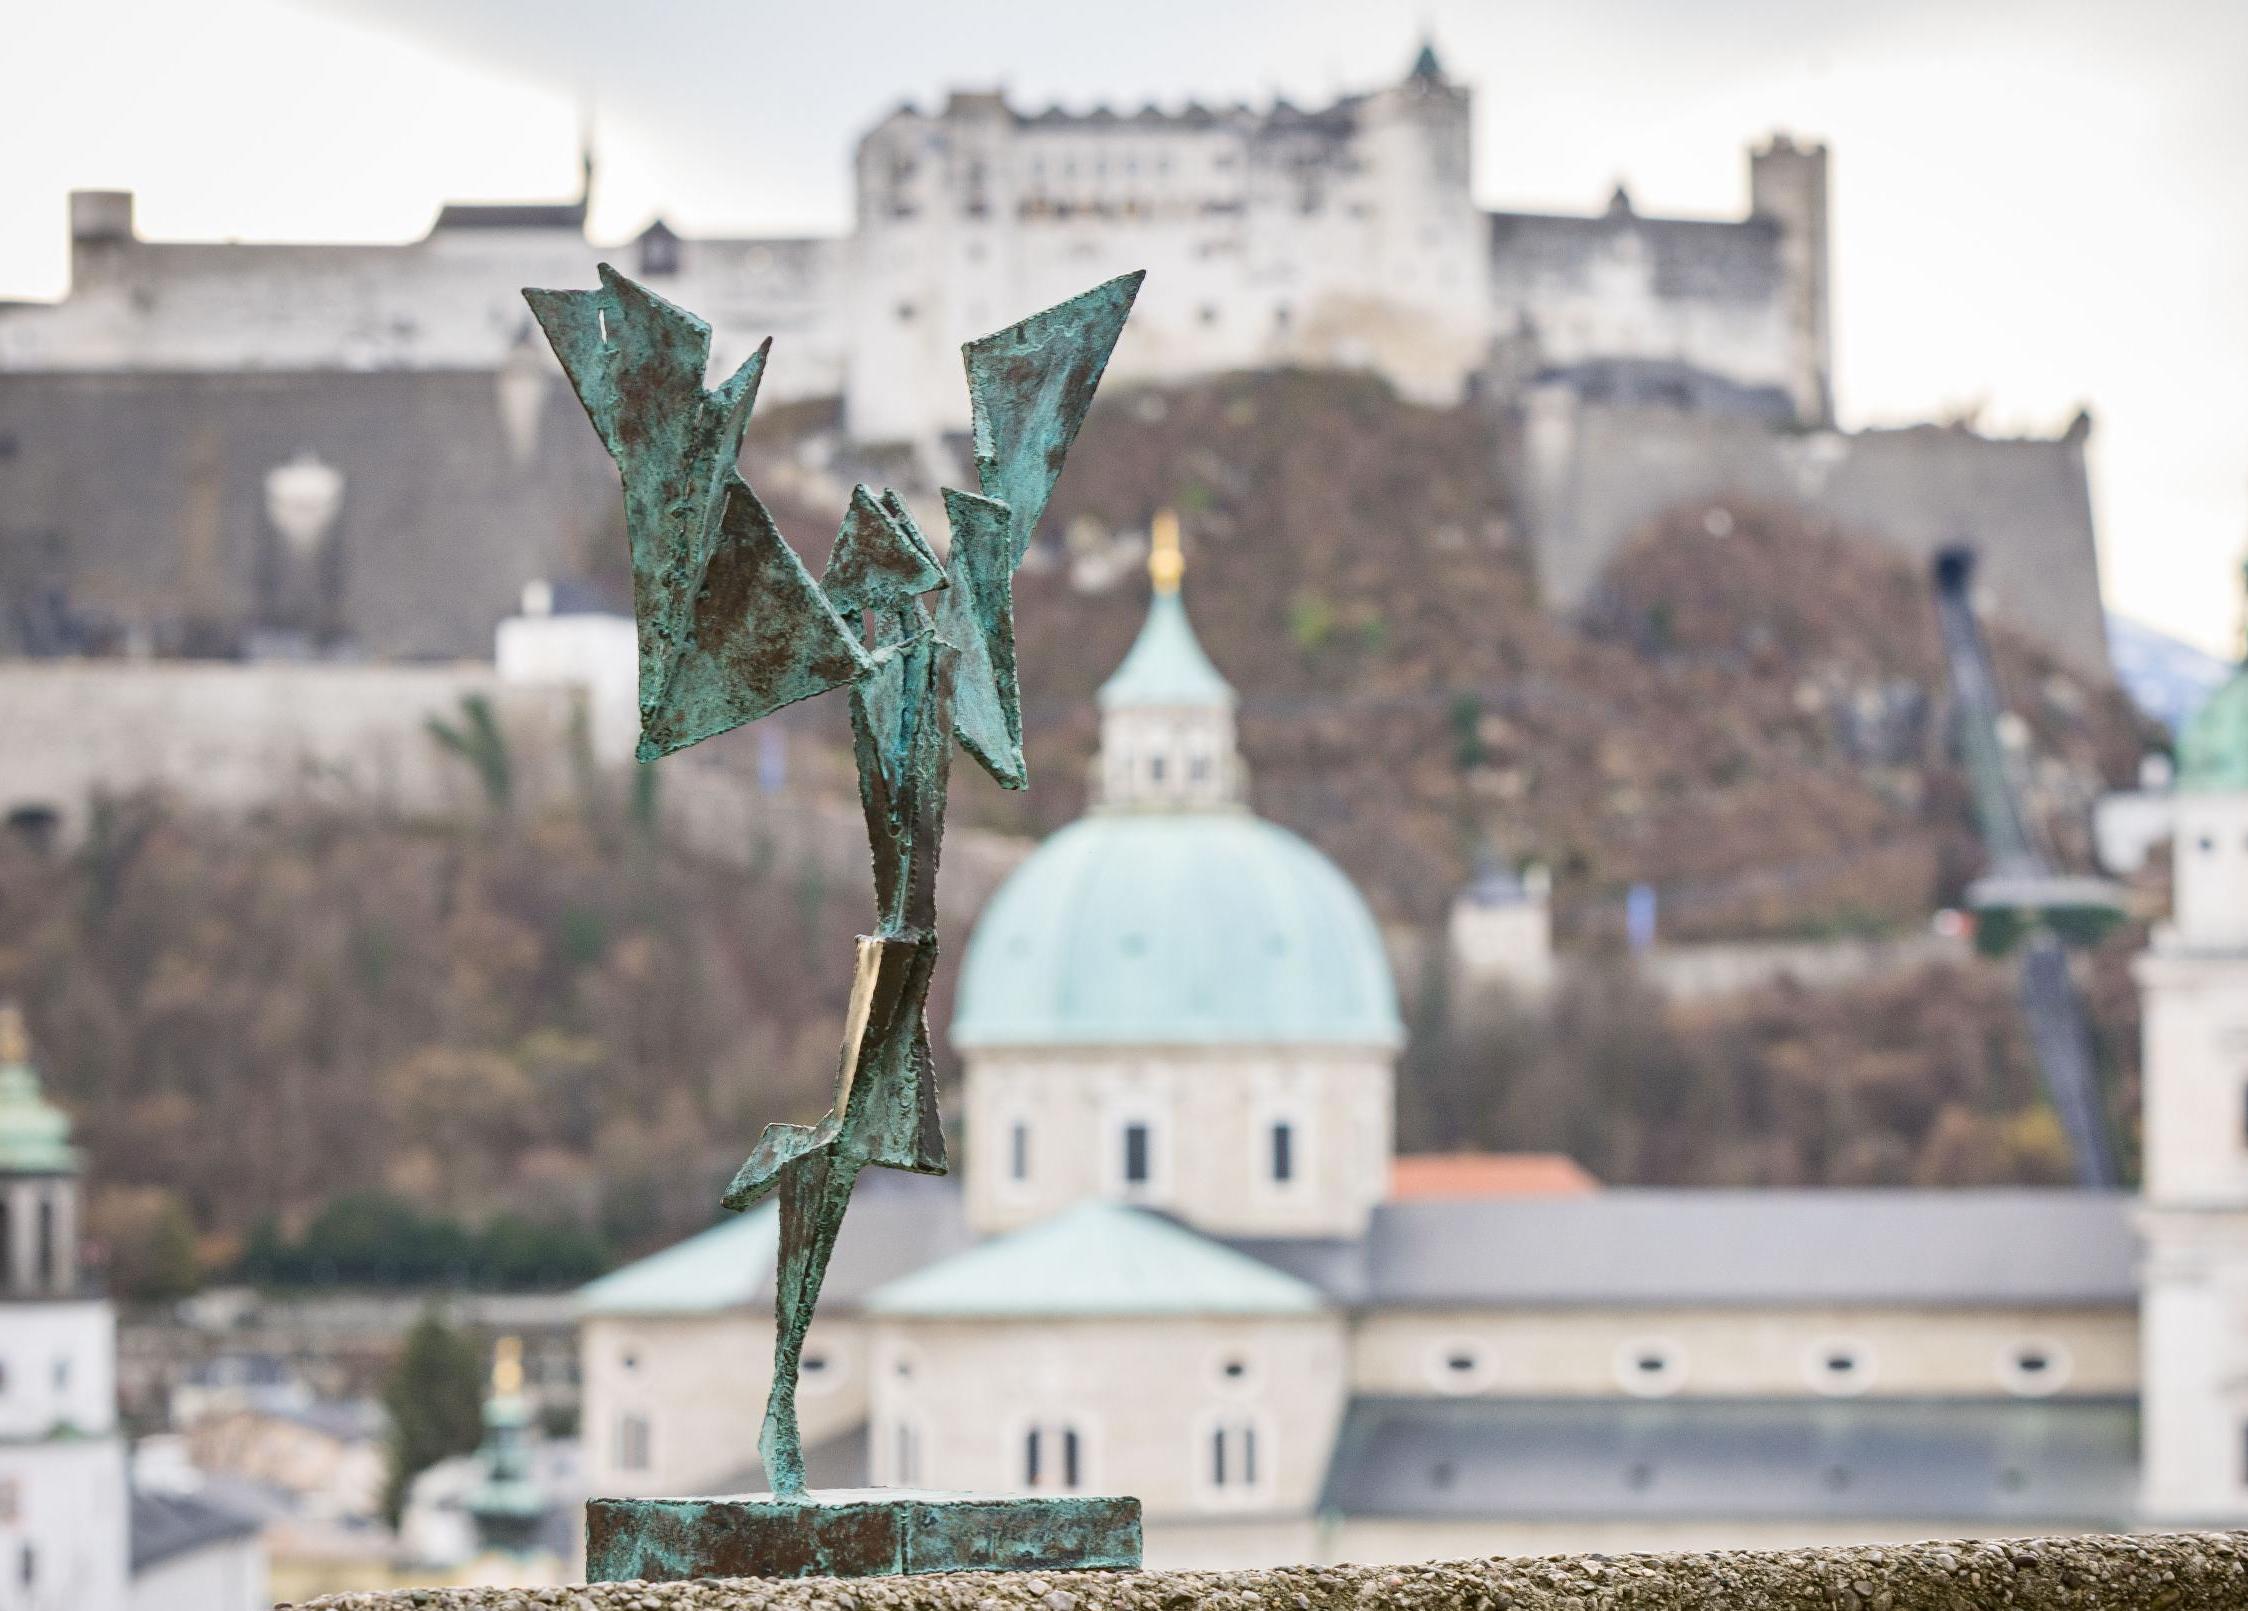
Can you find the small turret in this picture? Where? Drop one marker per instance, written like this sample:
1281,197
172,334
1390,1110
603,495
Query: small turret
1167,737
506,1502
38,1177
2210,858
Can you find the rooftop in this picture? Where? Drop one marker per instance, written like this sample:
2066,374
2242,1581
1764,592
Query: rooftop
1098,1259
1994,1461
1452,1176
897,1223
2019,1248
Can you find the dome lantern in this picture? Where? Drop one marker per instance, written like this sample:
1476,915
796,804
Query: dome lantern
1167,735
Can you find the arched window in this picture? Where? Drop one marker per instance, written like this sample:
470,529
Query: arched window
1053,1457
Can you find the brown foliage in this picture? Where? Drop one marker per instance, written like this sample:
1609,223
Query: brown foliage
534,1019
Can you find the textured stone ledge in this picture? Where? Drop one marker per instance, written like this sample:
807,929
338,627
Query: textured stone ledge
2142,1572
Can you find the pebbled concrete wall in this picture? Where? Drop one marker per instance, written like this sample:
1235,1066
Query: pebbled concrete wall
2145,1572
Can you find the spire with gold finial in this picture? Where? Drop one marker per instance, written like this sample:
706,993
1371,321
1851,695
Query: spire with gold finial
1166,563
507,1367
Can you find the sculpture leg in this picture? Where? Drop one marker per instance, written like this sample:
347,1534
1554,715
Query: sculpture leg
814,1190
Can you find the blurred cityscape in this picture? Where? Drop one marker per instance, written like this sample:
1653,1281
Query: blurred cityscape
1620,967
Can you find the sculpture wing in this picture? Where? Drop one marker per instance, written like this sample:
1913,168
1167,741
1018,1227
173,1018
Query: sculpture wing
1029,386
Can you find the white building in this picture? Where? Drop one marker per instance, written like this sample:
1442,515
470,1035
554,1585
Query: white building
1347,235
1172,1267
74,1536
2194,980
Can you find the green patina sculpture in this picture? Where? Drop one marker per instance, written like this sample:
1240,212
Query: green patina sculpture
732,627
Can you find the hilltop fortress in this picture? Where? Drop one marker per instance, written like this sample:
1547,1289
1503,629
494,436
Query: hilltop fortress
1631,364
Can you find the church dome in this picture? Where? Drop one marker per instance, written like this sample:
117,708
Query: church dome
1176,928
1170,916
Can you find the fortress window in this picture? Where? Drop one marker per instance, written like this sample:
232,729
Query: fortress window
1283,1152
1136,1155
1155,768
905,313
905,1456
1199,769
1209,313
1018,1151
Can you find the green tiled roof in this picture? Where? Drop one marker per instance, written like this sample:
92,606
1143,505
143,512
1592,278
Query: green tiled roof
1166,665
728,1266
1098,1259
34,1133
2213,750
1176,928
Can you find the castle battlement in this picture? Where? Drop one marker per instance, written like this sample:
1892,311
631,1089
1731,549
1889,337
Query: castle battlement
1343,235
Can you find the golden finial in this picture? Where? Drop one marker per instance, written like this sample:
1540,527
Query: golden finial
507,1367
15,1041
1165,564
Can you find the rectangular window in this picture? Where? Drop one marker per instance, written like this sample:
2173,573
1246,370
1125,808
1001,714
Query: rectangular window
632,1443
1283,1152
1135,1155
1051,1457
1018,1151
46,1243
1233,1455
908,1452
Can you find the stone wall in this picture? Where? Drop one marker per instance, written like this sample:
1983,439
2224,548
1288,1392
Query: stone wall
2148,1572
1594,475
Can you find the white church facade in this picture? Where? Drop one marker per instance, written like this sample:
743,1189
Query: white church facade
1171,1262
76,1534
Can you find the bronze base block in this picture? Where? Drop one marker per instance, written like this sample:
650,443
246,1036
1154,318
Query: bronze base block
856,1532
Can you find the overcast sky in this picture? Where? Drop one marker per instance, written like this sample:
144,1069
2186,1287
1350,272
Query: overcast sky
2038,203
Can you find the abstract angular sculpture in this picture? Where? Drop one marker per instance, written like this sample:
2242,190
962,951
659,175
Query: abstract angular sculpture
732,627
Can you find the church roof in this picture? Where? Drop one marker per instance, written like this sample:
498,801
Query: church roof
2024,1248
166,1525
1176,928
1100,1259
2213,749
1166,665
1797,1460
897,1223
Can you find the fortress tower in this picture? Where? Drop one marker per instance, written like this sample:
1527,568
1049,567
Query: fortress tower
2194,1311
1787,183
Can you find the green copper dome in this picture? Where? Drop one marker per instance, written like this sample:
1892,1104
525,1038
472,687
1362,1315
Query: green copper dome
34,1133
1176,928
2213,750
1166,665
